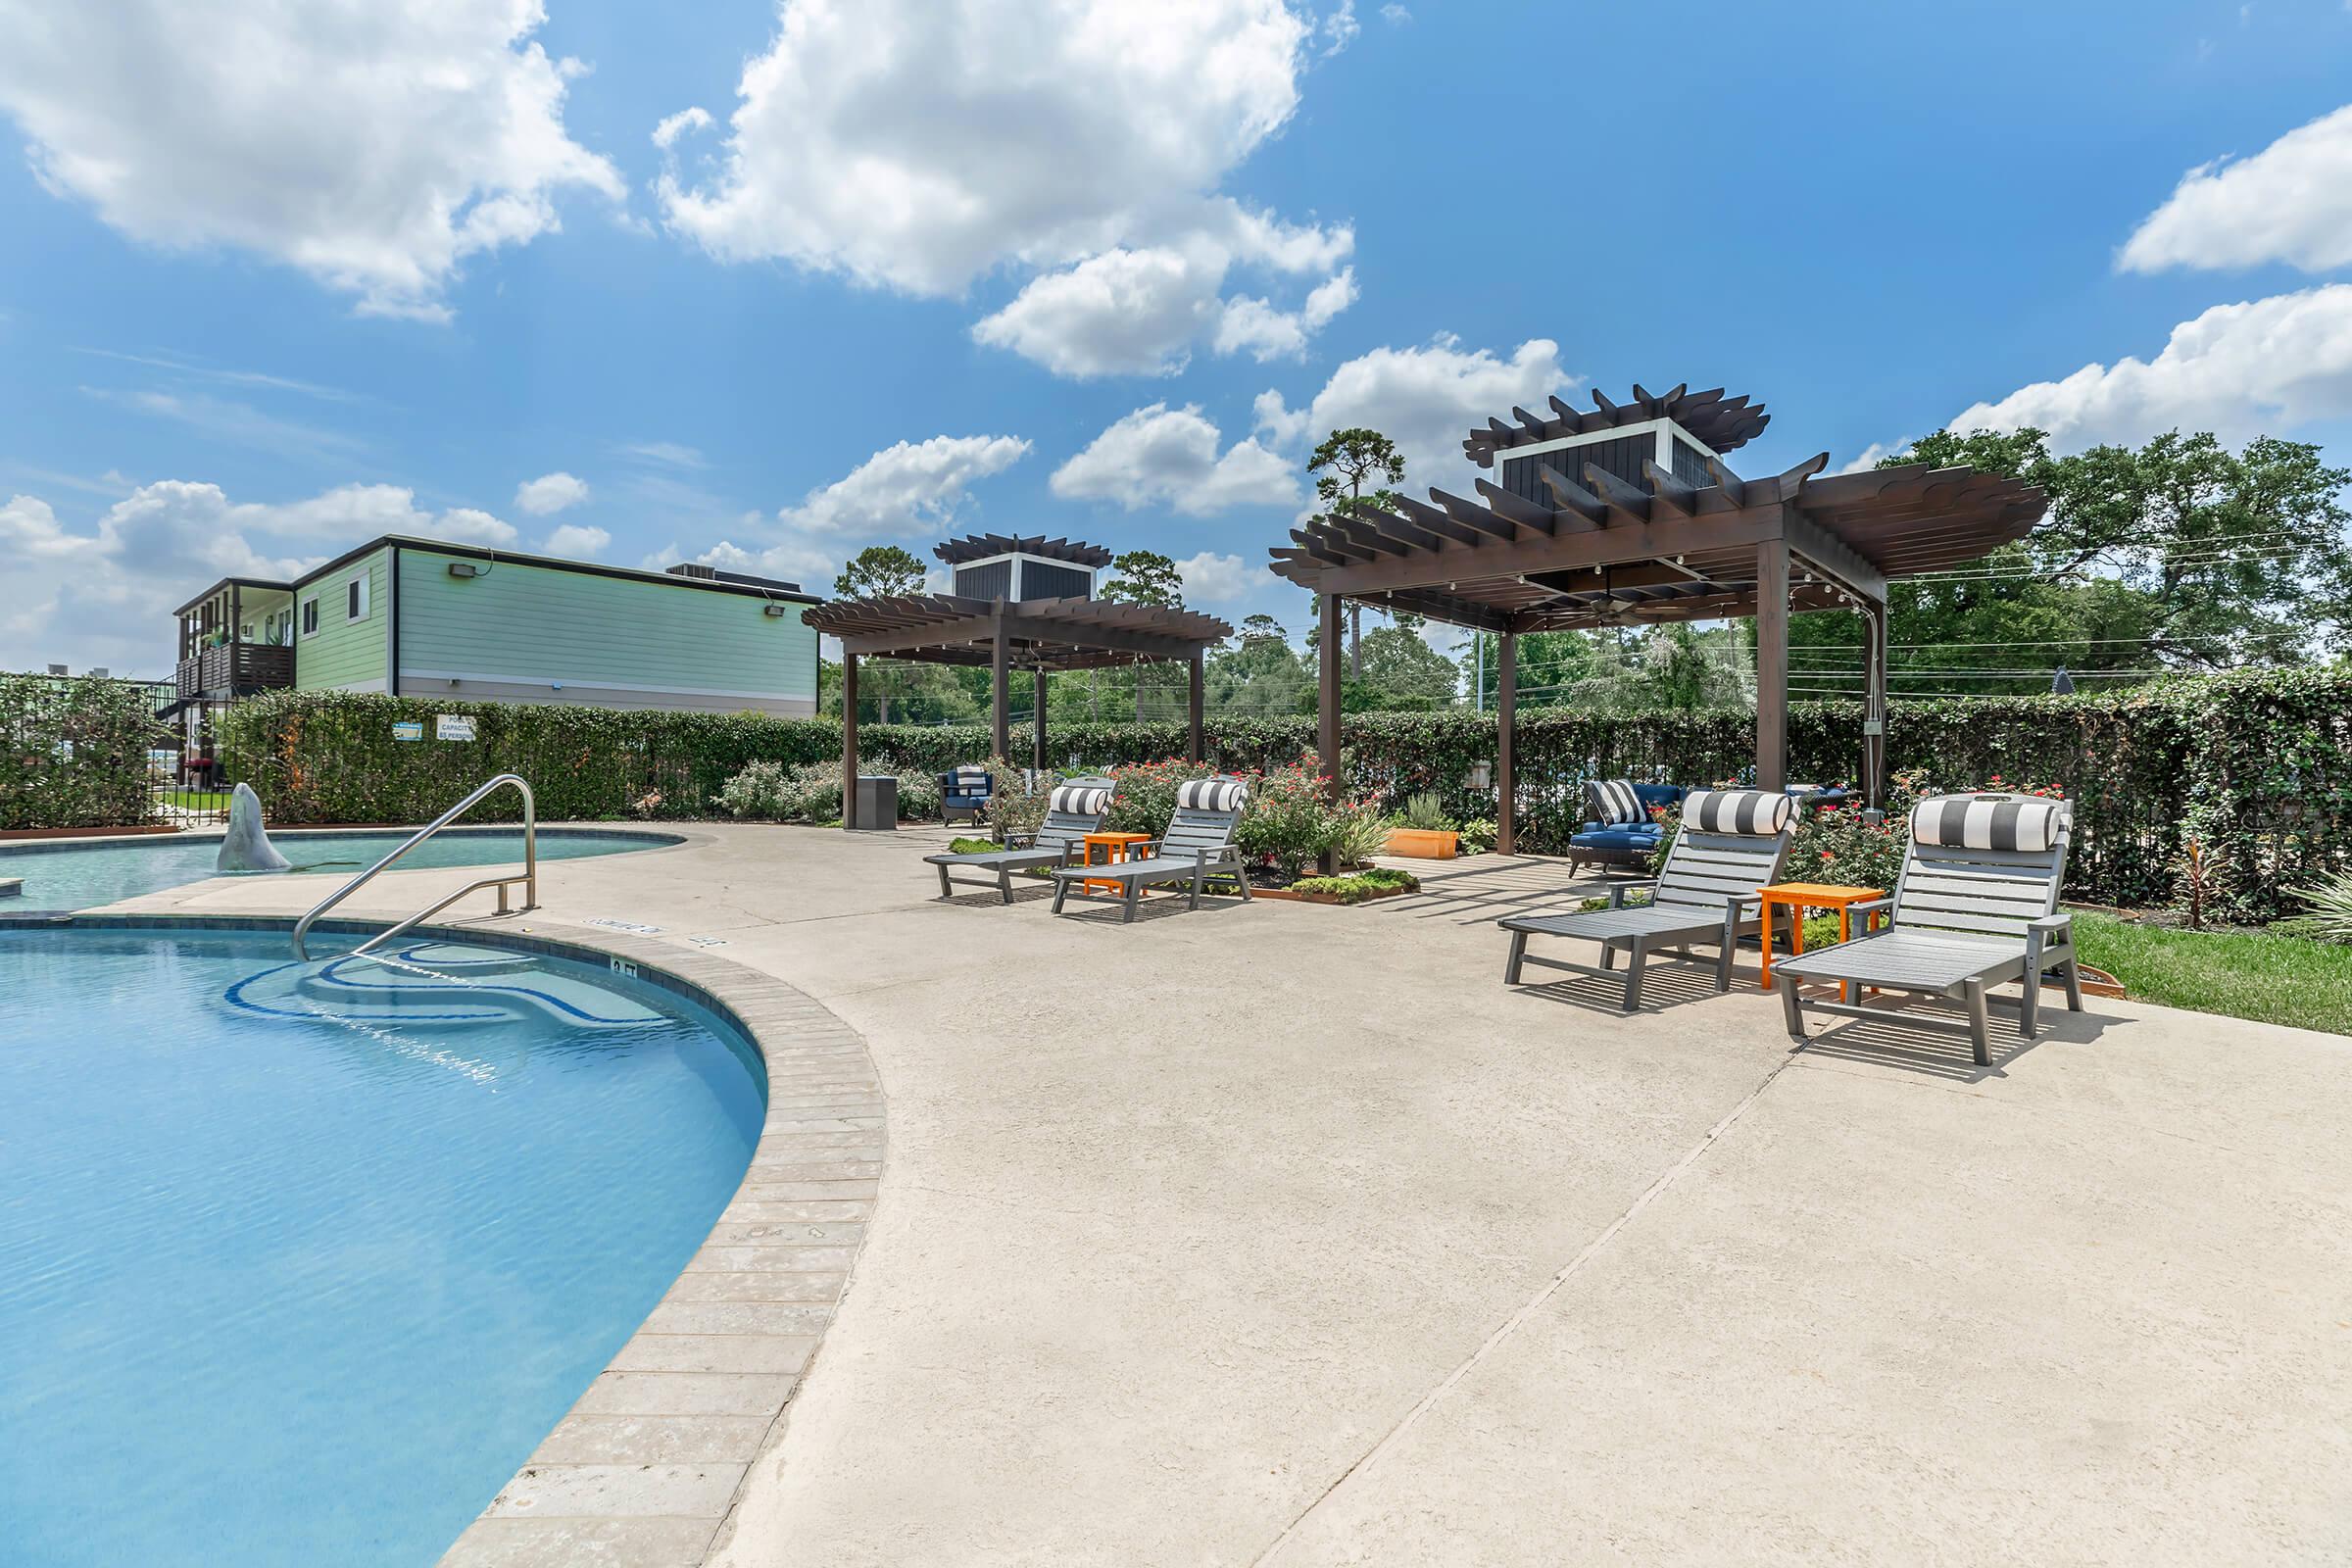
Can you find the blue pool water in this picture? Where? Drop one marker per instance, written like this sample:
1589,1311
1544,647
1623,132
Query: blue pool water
298,1264
85,876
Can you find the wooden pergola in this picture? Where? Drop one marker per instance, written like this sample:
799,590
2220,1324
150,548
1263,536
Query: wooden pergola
1590,528
1036,635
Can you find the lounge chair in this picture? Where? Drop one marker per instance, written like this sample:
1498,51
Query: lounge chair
964,791
1732,843
1073,811
1618,828
1196,848
1975,904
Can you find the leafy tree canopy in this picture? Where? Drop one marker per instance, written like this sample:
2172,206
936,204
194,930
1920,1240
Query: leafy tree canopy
879,572
1145,577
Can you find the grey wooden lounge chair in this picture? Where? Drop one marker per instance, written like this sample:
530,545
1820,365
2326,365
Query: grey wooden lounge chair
1975,904
1196,848
1072,811
1732,843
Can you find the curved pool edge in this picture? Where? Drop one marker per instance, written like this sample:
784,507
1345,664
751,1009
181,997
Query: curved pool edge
649,1464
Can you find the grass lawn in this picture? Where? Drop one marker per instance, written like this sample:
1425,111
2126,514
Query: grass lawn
197,800
2245,974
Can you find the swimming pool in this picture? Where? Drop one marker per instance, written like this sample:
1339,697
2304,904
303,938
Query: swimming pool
298,1264
83,876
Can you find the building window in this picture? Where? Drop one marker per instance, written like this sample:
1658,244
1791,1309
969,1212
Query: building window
355,600
310,617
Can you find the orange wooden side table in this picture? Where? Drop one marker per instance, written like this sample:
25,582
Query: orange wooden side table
1798,897
1114,847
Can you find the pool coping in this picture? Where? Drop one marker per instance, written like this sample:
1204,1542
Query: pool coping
649,1464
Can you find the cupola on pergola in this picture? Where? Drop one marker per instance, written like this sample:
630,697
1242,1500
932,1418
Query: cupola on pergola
1626,514
1025,604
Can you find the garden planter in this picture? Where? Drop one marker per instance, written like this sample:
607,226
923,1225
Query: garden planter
1422,844
1290,895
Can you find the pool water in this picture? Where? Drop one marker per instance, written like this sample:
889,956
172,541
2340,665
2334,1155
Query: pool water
299,1263
85,876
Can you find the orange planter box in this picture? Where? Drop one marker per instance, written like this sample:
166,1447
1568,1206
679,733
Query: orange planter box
1422,844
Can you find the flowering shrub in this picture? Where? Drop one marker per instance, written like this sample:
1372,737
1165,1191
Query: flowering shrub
1145,802
770,792
1289,823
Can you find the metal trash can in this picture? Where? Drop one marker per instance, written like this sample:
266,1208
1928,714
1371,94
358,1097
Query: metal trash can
877,803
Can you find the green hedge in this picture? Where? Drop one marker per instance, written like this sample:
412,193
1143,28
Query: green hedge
2259,764
74,752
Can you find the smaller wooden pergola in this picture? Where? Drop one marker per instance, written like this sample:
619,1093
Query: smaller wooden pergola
1036,635
1625,514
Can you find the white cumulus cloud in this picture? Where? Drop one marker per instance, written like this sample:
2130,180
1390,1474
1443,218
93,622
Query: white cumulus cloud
1158,456
1268,332
2254,368
919,144
1425,399
904,487
374,144
2291,201
1123,312
550,493
1210,578
577,539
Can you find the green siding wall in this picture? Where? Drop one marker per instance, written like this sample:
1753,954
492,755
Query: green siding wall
533,625
344,653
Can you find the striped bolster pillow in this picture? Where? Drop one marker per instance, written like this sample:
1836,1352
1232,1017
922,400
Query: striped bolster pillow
1756,813
1211,794
1080,800
1614,801
2023,822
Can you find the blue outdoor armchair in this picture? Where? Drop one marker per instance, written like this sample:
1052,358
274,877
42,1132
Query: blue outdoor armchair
966,790
1608,838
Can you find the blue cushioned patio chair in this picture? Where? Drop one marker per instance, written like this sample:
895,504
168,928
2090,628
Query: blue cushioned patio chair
1618,829
964,791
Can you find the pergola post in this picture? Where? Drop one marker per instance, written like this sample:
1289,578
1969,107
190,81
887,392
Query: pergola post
1000,684
1037,746
1874,703
1506,706
1772,665
1327,705
849,739
1195,702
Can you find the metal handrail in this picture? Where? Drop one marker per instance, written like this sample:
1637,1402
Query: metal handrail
530,878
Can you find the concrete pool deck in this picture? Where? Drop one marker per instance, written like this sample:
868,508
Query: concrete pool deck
1286,1234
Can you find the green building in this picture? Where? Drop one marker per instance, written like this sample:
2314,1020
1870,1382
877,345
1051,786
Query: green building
420,617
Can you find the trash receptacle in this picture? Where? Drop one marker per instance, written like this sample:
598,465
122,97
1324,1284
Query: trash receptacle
877,803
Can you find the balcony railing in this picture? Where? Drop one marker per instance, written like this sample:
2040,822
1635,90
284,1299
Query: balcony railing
235,669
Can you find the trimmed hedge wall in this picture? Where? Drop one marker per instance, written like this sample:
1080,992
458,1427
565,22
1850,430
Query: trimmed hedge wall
2257,764
74,752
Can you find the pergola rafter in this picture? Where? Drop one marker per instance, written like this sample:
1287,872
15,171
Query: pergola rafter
1636,543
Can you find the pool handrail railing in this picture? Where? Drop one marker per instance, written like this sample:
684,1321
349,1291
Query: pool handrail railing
530,878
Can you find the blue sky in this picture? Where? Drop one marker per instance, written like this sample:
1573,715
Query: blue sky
1087,269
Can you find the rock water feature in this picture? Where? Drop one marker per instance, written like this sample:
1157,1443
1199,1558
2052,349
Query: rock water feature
247,846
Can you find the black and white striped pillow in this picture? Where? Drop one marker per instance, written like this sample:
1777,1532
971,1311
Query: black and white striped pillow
1614,801
2029,823
1218,794
1080,800
1758,813
971,780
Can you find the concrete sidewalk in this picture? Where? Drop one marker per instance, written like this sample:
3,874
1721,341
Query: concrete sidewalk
1287,1232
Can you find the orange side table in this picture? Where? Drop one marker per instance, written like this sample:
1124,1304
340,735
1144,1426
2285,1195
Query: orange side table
1114,847
1798,897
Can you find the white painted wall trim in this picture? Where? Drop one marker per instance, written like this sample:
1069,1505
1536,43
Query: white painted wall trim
1662,430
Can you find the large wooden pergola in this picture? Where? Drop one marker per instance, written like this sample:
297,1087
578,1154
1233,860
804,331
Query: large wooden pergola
1590,528
1006,634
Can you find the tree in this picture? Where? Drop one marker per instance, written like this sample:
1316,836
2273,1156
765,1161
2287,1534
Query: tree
2179,553
1258,626
1343,464
879,572
1145,577
1402,670
1259,674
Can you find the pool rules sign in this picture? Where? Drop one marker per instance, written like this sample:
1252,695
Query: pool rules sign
453,727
